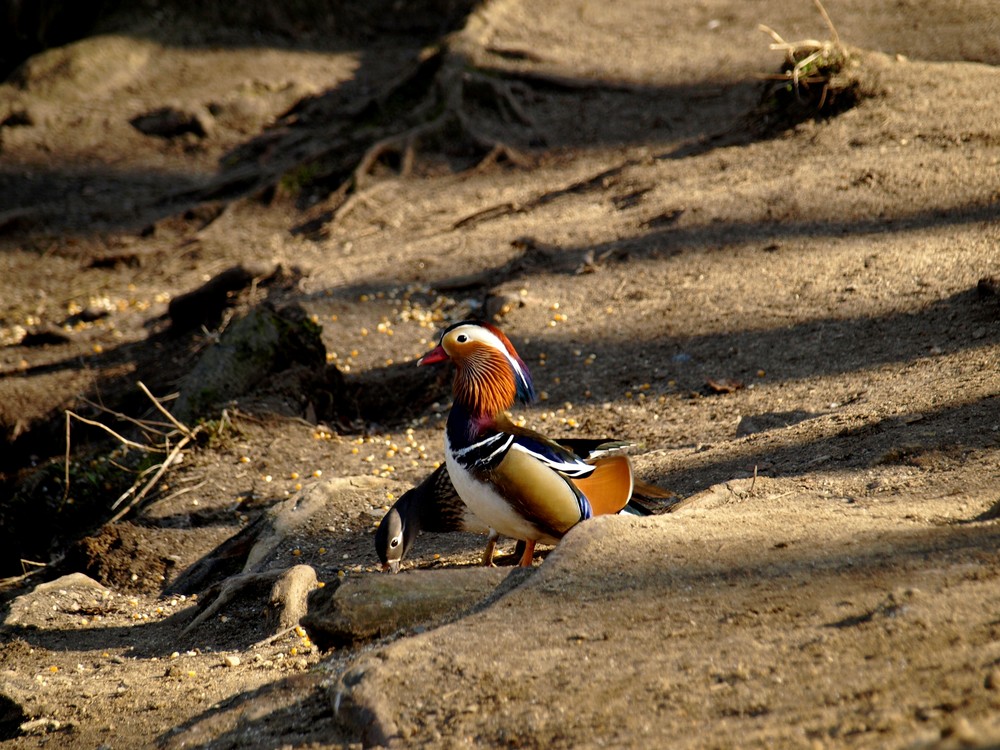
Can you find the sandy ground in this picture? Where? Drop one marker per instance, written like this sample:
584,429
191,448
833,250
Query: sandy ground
790,321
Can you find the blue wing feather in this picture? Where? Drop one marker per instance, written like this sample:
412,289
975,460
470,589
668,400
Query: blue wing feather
554,456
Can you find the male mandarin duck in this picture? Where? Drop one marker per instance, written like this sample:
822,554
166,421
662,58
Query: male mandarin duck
434,506
517,481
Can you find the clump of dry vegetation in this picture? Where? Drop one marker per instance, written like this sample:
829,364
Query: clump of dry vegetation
816,79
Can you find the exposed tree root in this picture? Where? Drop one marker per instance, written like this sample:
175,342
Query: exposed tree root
444,119
445,107
286,606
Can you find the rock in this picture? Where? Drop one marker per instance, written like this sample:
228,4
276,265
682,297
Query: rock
372,605
54,600
231,660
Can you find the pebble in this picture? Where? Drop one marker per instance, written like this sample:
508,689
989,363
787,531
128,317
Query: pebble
231,660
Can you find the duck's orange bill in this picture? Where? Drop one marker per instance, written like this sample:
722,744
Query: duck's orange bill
437,354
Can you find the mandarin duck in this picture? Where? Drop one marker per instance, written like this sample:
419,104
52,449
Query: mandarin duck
515,480
434,506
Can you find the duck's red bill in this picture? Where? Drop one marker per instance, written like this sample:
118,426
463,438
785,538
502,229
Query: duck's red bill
437,354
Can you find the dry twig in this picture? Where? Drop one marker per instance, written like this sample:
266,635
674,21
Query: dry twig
142,486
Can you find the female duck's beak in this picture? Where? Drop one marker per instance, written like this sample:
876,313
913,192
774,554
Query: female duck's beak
437,354
391,567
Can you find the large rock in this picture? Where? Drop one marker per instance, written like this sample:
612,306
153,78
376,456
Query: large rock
372,605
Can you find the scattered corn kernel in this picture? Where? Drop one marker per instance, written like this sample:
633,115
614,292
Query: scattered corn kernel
296,552
244,459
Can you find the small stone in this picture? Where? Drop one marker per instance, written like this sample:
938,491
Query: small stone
231,660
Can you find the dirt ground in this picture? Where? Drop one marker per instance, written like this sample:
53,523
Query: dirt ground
798,321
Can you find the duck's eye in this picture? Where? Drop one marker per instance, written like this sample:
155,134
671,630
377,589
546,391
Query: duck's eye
461,338
394,542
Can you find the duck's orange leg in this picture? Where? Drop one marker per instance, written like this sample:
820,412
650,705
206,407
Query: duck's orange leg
529,553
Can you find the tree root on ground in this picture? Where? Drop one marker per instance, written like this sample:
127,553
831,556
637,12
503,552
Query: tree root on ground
290,588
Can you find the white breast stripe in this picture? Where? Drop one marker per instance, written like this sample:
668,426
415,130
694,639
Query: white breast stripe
572,469
479,445
501,449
